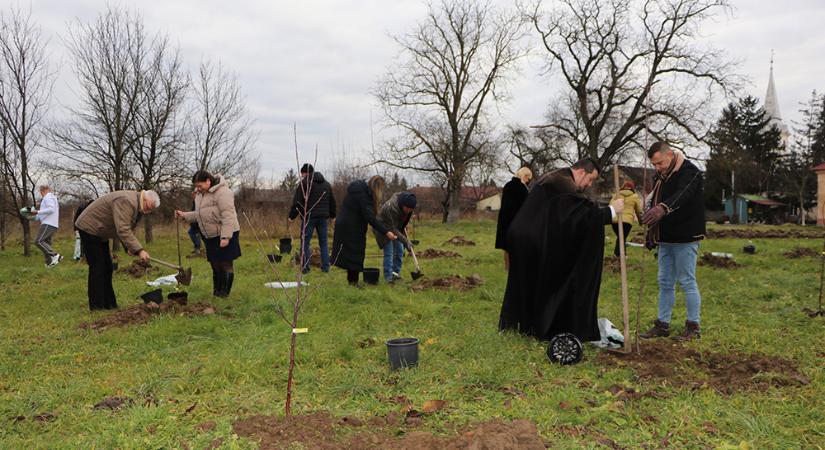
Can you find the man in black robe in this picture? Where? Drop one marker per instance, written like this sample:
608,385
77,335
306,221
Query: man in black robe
556,246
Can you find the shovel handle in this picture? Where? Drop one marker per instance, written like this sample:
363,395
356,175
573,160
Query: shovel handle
164,263
415,260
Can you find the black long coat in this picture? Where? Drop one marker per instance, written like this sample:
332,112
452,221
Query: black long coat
350,241
556,246
513,196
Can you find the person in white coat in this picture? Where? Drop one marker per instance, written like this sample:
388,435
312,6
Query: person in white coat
48,215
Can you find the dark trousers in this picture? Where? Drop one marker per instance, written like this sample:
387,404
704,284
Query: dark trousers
99,258
195,235
627,228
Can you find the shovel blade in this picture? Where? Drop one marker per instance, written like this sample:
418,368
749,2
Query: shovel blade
416,275
184,276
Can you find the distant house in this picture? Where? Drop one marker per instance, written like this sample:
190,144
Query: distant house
744,208
254,198
491,203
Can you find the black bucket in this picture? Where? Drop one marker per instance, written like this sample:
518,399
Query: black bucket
749,249
286,246
153,296
371,275
273,258
415,242
180,297
402,352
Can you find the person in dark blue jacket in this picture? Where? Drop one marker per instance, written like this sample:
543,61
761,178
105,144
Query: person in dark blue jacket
313,199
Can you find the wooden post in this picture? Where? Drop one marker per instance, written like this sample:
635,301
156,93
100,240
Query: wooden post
623,266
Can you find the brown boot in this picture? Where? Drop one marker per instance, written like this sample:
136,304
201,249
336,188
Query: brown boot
659,329
691,332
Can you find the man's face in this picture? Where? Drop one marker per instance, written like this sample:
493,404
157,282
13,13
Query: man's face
661,160
406,209
148,205
583,179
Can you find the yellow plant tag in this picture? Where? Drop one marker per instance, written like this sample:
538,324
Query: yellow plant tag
300,330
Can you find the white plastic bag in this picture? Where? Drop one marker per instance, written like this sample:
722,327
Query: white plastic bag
611,337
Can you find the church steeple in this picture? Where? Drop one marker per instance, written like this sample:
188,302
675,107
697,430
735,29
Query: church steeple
772,107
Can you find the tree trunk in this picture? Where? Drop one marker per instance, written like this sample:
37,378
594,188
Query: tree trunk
454,209
147,229
26,225
3,215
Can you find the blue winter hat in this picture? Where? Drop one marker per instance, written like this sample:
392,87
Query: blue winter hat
407,199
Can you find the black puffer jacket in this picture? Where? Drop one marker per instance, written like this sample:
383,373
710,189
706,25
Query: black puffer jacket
350,239
321,201
682,195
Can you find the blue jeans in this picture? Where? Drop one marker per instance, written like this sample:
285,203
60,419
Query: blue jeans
677,262
320,225
393,252
195,235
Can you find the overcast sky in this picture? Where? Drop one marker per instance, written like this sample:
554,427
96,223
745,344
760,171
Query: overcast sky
315,62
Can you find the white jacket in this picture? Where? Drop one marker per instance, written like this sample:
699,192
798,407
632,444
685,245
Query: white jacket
49,212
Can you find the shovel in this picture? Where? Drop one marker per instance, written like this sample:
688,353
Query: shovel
184,276
417,274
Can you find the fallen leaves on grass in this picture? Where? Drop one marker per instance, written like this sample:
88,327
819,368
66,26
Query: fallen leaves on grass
113,403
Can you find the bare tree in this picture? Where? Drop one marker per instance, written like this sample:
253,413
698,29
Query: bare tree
158,136
109,56
452,67
612,53
25,91
540,149
222,138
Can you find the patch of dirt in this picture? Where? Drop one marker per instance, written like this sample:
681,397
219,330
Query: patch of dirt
717,261
778,233
141,314
451,282
113,403
431,253
667,361
459,240
802,252
139,269
323,431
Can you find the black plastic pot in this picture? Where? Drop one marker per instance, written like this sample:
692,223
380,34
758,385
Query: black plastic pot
402,352
273,258
179,297
153,296
371,275
286,246
415,241
749,249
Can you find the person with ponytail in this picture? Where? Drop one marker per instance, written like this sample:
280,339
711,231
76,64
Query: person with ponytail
218,223
357,211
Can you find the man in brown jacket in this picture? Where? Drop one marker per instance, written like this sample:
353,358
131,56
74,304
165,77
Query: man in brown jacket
112,216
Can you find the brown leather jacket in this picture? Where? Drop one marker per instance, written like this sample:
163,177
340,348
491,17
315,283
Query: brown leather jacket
113,216
215,211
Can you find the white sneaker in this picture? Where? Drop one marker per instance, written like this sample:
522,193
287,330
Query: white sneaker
55,260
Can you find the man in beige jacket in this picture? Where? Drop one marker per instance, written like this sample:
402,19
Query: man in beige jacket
112,216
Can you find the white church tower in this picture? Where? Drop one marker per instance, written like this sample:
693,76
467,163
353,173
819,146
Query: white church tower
772,109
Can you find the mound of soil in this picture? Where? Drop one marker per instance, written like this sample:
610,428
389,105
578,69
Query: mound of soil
431,253
740,233
717,261
141,314
459,240
802,252
139,269
667,361
451,282
323,431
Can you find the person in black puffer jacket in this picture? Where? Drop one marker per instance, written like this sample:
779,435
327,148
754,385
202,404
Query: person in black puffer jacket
357,210
319,209
676,220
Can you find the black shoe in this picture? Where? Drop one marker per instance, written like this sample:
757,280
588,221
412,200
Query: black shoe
226,285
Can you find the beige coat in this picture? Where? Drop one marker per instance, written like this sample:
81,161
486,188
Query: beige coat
215,211
113,216
632,211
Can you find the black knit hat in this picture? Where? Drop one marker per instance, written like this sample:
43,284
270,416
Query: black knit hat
407,199
307,168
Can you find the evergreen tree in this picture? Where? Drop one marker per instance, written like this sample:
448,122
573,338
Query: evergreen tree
290,181
798,178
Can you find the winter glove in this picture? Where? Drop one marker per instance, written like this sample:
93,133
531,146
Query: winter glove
654,215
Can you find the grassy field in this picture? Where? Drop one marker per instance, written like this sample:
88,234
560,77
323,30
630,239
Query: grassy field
181,372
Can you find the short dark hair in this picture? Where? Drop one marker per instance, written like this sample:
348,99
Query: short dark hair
202,175
657,147
588,164
307,168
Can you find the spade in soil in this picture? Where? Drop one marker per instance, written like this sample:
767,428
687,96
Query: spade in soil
417,274
184,276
